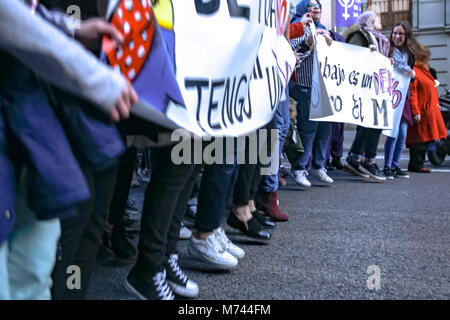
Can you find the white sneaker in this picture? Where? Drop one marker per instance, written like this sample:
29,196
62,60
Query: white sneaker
210,250
322,175
299,177
227,244
185,233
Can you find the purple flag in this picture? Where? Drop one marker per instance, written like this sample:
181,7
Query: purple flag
347,12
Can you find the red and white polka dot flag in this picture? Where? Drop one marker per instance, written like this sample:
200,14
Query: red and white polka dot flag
135,20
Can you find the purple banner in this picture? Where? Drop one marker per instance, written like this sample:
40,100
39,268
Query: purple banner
347,12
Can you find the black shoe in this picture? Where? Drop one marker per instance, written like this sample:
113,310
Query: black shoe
150,286
337,164
252,228
122,246
353,166
371,168
398,173
266,224
177,279
387,172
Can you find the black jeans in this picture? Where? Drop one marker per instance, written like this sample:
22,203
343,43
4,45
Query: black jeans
366,142
81,236
416,157
249,177
122,189
165,203
247,184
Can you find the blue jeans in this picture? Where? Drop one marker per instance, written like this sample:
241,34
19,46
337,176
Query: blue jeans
215,190
4,281
28,256
280,121
393,147
314,134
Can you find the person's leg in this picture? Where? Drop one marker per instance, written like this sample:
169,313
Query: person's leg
119,239
353,162
307,129
269,183
176,278
320,145
214,194
182,203
122,188
4,277
161,198
416,157
400,145
71,231
389,148
32,254
369,165
147,279
93,229
357,148
371,146
337,140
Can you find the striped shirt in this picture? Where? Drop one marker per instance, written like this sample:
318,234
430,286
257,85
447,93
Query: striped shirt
306,57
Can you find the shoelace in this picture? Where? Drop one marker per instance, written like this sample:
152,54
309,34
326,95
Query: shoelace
214,242
304,173
222,237
173,262
162,287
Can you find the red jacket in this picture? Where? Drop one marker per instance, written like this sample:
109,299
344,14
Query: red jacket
424,100
296,30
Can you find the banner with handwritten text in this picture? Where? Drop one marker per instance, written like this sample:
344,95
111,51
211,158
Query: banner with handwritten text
351,84
229,59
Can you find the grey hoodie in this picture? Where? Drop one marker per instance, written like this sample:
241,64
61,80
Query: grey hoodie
55,56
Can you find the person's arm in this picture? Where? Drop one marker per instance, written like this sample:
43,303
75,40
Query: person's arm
300,44
413,101
56,57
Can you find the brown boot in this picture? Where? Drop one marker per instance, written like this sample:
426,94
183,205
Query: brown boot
267,202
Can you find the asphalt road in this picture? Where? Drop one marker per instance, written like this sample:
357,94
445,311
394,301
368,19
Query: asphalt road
333,235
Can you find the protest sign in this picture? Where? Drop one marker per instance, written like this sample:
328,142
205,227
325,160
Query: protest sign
400,87
351,84
221,66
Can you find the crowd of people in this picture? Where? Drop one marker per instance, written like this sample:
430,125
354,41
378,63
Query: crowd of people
68,150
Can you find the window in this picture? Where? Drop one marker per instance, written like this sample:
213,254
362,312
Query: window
390,11
430,13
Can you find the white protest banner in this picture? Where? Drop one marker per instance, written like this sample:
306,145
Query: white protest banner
400,86
351,84
216,67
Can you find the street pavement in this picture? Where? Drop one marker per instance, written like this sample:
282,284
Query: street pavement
334,233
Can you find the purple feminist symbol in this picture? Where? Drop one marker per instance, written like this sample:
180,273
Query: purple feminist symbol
346,4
